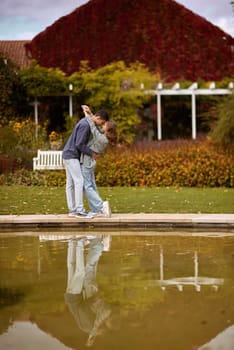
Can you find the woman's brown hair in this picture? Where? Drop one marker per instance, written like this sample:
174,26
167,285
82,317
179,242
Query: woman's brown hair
111,131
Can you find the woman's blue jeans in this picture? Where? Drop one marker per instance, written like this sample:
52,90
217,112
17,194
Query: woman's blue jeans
90,189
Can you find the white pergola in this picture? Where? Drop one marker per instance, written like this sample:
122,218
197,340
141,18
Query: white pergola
36,104
193,91
195,280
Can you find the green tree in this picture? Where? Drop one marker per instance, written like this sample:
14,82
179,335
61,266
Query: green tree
12,95
116,88
51,89
223,128
41,81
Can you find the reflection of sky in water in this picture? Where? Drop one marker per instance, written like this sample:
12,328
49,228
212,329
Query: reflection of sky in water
27,336
163,292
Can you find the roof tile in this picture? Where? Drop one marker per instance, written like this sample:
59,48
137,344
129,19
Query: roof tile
16,51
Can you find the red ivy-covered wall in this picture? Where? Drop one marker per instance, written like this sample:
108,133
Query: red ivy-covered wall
163,34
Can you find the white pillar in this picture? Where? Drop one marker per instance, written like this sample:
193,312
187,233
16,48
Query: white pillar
197,286
194,127
159,116
161,265
70,101
36,116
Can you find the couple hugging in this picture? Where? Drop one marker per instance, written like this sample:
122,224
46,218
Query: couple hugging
88,139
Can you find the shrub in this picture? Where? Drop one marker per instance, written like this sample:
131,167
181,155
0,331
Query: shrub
175,163
18,142
223,128
167,164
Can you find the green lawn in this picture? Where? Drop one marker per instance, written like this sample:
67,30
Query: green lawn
52,200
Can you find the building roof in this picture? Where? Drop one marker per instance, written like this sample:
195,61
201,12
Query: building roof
15,50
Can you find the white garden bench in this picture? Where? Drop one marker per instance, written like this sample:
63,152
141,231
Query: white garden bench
48,160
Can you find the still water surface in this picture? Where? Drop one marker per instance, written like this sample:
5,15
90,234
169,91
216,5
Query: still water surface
151,292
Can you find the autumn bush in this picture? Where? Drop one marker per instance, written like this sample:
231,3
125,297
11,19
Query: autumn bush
174,163
18,143
222,129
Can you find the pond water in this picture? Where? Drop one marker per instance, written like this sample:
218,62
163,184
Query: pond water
116,291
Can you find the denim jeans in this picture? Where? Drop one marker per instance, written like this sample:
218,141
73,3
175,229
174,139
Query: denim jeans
74,185
81,274
90,189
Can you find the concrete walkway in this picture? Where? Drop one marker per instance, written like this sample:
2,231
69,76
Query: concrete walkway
135,221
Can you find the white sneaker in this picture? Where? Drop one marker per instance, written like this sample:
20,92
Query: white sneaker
81,215
84,240
95,214
106,210
72,214
106,240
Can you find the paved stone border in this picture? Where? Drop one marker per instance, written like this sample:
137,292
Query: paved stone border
143,221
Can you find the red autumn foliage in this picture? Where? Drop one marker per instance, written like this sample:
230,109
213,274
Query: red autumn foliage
162,34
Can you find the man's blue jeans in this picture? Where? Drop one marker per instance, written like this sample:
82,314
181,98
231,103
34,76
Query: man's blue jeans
90,189
74,185
81,274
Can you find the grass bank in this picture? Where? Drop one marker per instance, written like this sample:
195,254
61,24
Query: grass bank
52,200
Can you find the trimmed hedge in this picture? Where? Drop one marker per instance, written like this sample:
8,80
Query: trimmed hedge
191,164
182,164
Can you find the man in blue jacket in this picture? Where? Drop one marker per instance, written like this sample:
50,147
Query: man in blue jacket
77,144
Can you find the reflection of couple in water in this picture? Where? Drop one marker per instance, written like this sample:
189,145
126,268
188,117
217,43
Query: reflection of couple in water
91,312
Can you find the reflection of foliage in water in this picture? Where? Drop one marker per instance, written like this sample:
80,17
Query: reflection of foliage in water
126,274
10,303
10,296
129,276
38,269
